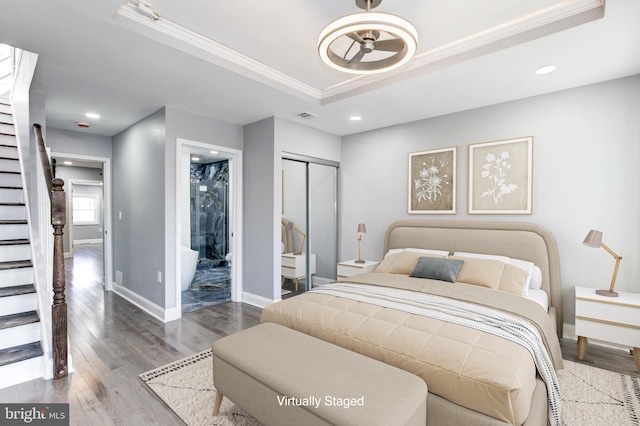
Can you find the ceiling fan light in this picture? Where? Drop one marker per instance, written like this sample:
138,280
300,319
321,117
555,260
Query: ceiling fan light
368,21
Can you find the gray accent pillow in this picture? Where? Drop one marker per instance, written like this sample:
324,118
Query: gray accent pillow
437,269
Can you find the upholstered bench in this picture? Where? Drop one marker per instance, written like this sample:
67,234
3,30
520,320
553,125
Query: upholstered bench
284,377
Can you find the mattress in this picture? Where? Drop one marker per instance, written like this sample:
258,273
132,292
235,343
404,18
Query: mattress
468,367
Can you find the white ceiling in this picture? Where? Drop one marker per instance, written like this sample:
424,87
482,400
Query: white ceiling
245,61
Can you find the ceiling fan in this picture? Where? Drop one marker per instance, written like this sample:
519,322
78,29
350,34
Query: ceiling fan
367,42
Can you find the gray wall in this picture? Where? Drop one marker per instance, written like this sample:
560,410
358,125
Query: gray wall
586,175
79,143
139,193
262,200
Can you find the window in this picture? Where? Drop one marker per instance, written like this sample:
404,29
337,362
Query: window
86,209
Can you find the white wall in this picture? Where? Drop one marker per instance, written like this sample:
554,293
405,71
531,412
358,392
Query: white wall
298,139
586,176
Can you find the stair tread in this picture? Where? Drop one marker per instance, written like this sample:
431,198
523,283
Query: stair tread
20,353
8,158
15,264
11,204
16,320
10,187
17,242
13,222
9,172
16,290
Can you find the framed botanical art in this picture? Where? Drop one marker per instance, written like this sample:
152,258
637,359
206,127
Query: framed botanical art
433,181
501,177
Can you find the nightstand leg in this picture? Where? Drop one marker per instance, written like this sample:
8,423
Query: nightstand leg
296,284
636,357
582,347
282,284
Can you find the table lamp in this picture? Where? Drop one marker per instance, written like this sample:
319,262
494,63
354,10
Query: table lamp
594,239
361,230
290,227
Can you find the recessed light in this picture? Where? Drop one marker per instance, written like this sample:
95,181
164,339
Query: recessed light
195,158
92,115
214,152
68,163
546,69
355,118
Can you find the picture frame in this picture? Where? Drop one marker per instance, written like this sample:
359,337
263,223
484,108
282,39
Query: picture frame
433,182
501,177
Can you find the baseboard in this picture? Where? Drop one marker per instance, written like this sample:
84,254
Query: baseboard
257,301
570,333
158,312
322,281
90,241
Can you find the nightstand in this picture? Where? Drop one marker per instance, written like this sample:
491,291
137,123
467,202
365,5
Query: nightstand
293,267
350,267
611,319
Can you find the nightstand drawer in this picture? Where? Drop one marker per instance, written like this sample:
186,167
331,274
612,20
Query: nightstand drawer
616,333
350,267
608,312
290,261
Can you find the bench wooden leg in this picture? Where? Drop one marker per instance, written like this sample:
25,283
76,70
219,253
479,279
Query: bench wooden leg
216,404
636,357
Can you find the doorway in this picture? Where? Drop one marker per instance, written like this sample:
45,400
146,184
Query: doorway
208,264
88,188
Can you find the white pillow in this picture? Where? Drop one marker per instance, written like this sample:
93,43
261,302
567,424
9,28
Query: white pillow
503,259
536,278
528,268
417,250
522,264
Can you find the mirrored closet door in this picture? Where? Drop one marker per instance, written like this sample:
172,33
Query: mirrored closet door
309,223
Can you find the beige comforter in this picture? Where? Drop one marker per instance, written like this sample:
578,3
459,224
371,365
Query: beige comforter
471,368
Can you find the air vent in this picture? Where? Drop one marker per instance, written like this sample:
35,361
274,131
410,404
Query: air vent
306,115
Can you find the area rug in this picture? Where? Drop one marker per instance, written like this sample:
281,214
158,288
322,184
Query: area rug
591,396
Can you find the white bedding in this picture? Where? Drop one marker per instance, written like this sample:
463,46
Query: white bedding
540,297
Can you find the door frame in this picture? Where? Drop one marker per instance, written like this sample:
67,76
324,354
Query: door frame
107,241
184,147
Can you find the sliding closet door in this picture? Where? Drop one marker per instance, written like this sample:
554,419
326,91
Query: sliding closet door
323,226
309,206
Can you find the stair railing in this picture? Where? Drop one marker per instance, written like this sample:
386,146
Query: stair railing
57,199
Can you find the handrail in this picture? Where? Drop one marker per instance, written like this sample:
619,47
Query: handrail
44,158
58,220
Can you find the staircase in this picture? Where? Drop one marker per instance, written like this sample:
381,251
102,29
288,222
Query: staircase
21,355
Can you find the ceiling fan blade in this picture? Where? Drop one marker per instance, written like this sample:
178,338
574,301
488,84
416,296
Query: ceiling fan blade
393,45
358,56
355,36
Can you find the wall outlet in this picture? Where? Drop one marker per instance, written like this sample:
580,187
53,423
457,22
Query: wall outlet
119,277
159,277
119,215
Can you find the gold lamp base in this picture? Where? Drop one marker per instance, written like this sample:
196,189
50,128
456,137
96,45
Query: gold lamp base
608,293
359,261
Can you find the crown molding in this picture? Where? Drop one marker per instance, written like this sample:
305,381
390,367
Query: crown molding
181,38
561,16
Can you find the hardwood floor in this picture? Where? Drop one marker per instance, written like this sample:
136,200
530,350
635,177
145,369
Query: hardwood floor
113,341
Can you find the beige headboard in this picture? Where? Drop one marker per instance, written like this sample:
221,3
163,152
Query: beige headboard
517,240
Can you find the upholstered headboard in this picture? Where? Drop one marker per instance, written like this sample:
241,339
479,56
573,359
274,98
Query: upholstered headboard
517,240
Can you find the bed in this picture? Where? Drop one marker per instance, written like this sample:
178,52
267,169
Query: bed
477,373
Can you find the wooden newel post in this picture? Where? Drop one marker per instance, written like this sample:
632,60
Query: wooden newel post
59,308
